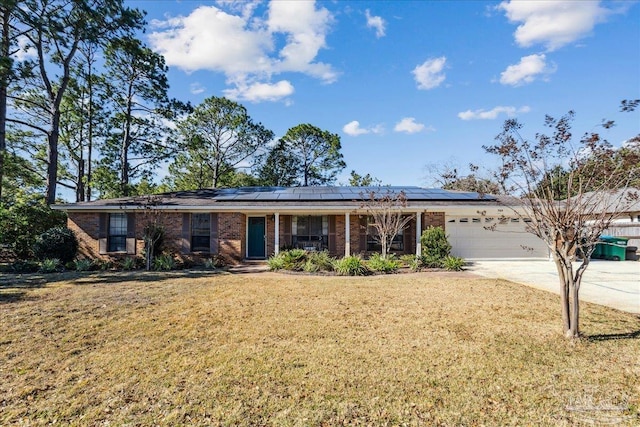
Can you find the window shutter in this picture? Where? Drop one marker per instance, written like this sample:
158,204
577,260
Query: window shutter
186,233
362,241
102,232
131,233
332,234
286,230
213,240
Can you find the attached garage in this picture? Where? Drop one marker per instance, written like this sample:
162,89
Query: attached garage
487,237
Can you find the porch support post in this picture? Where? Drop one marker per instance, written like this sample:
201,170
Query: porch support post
276,230
347,234
418,233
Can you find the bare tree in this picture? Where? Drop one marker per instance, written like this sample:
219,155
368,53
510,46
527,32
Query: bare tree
597,184
153,231
386,210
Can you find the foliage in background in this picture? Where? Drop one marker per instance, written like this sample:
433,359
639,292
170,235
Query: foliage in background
57,242
449,177
24,219
216,139
305,156
357,180
50,265
54,31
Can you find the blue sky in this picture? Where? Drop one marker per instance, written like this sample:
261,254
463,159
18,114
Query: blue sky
406,83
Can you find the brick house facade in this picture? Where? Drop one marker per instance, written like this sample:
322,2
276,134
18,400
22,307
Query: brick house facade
237,224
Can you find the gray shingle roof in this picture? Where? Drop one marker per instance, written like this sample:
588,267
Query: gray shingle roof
274,195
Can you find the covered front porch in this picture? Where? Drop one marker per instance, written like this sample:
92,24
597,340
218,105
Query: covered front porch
339,233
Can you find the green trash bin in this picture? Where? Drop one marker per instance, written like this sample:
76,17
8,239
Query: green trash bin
613,248
598,251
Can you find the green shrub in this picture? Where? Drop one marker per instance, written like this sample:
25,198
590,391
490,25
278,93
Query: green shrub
84,264
294,259
427,261
321,260
57,242
23,219
129,263
453,263
351,266
310,267
50,265
383,265
412,261
24,267
435,244
276,262
164,262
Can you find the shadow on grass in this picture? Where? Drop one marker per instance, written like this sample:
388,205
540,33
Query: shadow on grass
39,280
608,337
15,296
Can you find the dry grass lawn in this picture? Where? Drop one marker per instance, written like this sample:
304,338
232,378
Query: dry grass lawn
294,350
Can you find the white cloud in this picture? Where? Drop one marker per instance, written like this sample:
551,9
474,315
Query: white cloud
409,125
376,22
25,50
196,88
258,92
526,71
353,129
493,113
553,23
429,74
232,38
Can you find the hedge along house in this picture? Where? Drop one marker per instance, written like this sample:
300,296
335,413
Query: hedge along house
256,222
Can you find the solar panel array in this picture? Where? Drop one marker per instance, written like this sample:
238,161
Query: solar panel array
293,194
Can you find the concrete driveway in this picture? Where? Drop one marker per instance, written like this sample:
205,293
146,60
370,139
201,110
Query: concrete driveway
610,283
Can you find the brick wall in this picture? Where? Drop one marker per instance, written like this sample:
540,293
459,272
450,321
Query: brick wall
231,236
435,219
271,235
85,226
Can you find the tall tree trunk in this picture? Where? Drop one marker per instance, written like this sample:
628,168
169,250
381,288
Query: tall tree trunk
4,83
574,330
124,151
90,119
565,279
52,156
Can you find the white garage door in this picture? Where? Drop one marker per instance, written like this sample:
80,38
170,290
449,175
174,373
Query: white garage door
470,239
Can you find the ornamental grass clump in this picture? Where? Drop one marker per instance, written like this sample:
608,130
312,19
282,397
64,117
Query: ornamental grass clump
164,262
319,261
387,265
453,263
351,266
50,265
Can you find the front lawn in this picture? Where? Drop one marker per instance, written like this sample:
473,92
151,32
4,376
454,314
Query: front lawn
273,349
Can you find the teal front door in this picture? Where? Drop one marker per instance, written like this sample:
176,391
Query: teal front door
256,240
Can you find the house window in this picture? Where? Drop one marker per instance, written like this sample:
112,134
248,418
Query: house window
310,232
200,232
373,245
117,240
